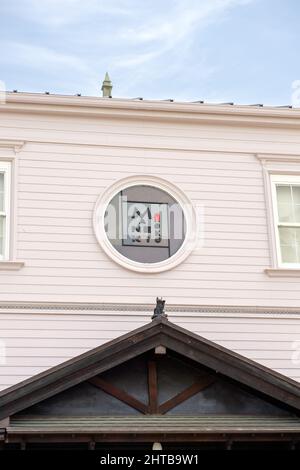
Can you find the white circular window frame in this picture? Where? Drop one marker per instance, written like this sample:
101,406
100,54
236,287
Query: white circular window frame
179,196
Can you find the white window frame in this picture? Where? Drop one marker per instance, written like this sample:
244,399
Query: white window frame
5,168
191,218
277,179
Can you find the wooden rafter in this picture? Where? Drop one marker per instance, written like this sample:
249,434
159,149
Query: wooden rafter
152,388
185,394
119,394
153,407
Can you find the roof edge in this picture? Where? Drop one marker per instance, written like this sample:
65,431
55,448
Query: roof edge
150,109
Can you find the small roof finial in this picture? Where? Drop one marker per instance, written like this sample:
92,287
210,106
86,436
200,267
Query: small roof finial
159,311
106,87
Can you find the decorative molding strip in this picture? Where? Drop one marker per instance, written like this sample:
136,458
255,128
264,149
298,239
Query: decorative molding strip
283,272
274,157
16,145
11,265
144,308
143,146
263,158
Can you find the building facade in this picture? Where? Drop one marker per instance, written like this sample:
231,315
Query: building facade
231,275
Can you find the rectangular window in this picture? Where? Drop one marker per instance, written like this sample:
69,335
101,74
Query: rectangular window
286,203
5,180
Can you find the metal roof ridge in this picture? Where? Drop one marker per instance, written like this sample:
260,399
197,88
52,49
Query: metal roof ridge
155,100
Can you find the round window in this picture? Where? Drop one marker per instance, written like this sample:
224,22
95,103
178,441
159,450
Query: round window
143,225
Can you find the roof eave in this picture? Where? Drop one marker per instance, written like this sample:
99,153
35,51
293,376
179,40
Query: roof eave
147,109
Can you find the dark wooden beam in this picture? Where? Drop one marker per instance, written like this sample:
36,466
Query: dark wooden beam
146,436
187,393
118,393
152,385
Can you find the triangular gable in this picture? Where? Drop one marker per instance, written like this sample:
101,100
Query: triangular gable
160,332
154,384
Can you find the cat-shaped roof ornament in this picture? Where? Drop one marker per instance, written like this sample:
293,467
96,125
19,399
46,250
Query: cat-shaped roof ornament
159,309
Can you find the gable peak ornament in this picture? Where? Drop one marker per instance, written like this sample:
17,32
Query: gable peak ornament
159,310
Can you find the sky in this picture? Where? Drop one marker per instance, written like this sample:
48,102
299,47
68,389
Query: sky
245,51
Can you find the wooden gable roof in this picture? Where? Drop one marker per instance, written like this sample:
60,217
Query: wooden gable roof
160,332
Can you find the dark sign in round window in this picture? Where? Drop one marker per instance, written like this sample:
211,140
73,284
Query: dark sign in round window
145,224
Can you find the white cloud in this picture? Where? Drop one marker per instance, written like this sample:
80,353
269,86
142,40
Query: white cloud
41,57
60,13
163,34
186,16
138,59
162,47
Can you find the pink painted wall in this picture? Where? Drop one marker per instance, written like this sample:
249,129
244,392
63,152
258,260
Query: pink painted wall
36,342
65,164
59,183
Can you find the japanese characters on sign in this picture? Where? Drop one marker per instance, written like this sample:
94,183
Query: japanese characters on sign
145,224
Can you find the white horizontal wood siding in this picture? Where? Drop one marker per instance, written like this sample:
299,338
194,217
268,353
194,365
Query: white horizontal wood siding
59,182
34,343
65,165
